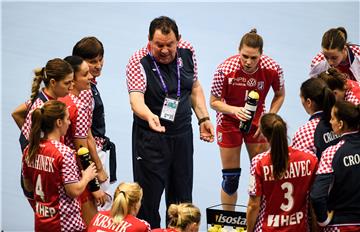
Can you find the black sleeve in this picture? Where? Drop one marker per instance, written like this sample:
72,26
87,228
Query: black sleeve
319,195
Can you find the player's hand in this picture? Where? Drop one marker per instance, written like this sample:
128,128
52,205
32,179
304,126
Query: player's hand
89,173
206,131
242,114
154,124
100,197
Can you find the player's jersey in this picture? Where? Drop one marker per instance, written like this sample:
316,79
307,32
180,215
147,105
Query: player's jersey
80,113
54,167
25,129
316,135
352,94
284,202
352,70
103,222
343,162
232,85
164,230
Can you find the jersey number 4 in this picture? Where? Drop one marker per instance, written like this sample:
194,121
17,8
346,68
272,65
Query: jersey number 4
38,188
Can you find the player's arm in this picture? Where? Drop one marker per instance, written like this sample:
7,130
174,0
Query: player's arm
19,115
28,185
91,145
199,107
319,196
141,110
252,212
277,101
74,190
240,112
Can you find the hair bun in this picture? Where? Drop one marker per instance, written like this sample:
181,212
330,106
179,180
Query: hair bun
253,31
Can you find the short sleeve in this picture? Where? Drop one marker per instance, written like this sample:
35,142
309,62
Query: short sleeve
70,169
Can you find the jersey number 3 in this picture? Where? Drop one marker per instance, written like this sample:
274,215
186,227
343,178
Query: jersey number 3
288,196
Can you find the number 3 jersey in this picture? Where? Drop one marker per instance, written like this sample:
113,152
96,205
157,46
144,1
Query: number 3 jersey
284,202
53,167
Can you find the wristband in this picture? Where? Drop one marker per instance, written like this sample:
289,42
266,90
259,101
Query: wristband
326,222
201,120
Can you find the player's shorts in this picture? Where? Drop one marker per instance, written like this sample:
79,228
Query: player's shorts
230,136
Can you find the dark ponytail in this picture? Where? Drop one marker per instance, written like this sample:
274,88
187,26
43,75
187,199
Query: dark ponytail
274,129
317,91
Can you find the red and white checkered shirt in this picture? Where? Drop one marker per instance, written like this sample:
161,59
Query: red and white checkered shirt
304,136
352,93
25,129
136,77
80,112
54,167
232,84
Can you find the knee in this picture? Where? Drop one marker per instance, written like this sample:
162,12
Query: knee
230,181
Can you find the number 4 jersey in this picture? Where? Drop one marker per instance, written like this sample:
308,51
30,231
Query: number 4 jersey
284,202
53,167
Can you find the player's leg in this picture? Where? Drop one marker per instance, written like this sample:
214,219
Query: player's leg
255,145
230,159
229,140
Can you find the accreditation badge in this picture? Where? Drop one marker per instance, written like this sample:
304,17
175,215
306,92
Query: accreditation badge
169,108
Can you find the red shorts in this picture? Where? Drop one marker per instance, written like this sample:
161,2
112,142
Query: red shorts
230,136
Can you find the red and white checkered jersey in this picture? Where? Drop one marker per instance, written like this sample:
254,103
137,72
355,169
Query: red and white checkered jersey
103,222
319,64
80,112
54,167
352,93
325,165
284,202
25,129
232,85
136,77
87,96
304,136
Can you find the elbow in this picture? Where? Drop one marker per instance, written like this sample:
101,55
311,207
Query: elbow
73,194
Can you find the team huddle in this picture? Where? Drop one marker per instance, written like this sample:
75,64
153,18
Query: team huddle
309,184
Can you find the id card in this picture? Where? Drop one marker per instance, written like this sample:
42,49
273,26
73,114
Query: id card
169,108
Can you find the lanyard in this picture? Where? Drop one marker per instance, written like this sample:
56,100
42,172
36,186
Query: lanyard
162,79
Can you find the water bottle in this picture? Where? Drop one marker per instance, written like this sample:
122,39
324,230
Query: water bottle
85,159
250,105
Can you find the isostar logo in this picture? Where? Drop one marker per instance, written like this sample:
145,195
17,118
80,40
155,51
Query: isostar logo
236,221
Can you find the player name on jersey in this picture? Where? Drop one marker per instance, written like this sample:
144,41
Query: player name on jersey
285,220
43,163
295,169
106,222
44,210
330,136
351,160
